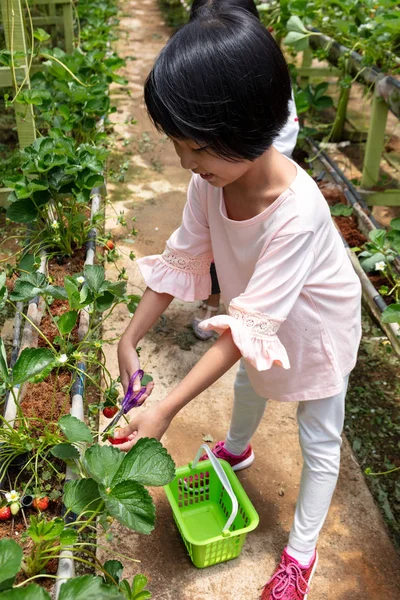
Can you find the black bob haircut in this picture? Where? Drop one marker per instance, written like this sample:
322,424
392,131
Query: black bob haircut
223,82
248,5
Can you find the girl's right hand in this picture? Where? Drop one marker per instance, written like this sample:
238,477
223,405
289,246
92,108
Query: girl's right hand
128,361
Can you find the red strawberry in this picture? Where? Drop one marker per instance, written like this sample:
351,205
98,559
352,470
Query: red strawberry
117,441
5,513
41,503
110,411
109,245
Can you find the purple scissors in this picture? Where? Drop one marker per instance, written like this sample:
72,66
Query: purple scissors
130,400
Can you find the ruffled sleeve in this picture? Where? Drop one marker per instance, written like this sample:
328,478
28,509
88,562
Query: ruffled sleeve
177,273
255,316
255,336
183,270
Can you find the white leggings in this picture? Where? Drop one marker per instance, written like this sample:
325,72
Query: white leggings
320,427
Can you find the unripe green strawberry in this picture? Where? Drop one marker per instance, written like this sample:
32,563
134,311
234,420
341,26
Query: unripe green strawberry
14,507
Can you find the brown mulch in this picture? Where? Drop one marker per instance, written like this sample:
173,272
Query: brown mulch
350,232
48,399
49,328
59,268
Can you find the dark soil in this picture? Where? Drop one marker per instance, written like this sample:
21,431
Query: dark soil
15,529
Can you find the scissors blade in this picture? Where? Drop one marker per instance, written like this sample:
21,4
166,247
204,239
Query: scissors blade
114,421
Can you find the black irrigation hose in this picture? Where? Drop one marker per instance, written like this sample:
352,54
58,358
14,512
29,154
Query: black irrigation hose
351,193
372,297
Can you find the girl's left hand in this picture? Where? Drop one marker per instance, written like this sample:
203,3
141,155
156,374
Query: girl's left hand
152,423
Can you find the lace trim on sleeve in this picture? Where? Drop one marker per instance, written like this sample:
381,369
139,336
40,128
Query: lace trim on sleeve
196,265
260,326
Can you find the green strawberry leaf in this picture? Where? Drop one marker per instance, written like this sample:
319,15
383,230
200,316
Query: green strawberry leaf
82,495
10,560
31,361
87,587
102,462
131,504
75,430
65,451
148,463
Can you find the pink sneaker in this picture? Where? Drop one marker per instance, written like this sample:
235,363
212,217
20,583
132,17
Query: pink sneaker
290,581
237,462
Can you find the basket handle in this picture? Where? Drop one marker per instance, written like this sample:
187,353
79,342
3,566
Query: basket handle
224,480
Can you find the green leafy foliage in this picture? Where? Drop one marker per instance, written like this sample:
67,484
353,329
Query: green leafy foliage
56,170
378,255
10,561
41,530
131,504
102,462
75,430
67,322
312,98
82,496
65,451
341,210
30,592
31,362
391,314
89,588
147,462
119,480
370,28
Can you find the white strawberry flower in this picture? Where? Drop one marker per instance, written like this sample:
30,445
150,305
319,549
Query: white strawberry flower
62,359
55,224
80,279
380,266
12,496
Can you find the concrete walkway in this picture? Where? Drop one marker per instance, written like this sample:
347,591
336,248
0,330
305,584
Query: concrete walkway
357,560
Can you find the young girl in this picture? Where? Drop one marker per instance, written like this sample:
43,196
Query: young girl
220,91
285,142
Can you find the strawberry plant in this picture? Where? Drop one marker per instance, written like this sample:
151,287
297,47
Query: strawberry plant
54,191
378,255
99,297
370,29
109,586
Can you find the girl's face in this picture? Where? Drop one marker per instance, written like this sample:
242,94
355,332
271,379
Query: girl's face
217,171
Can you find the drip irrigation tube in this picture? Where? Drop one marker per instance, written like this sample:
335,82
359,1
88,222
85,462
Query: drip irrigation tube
367,220
34,314
66,563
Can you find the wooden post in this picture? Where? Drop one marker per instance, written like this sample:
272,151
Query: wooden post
15,41
340,119
53,28
68,27
375,143
307,62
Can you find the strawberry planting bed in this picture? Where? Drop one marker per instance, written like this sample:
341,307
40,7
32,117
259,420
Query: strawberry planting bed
57,483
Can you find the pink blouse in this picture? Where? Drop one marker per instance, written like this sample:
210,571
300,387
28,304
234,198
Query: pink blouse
293,297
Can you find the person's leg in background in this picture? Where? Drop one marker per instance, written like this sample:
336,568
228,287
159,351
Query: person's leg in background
209,307
247,412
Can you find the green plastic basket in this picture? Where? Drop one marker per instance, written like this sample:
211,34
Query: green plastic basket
211,510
